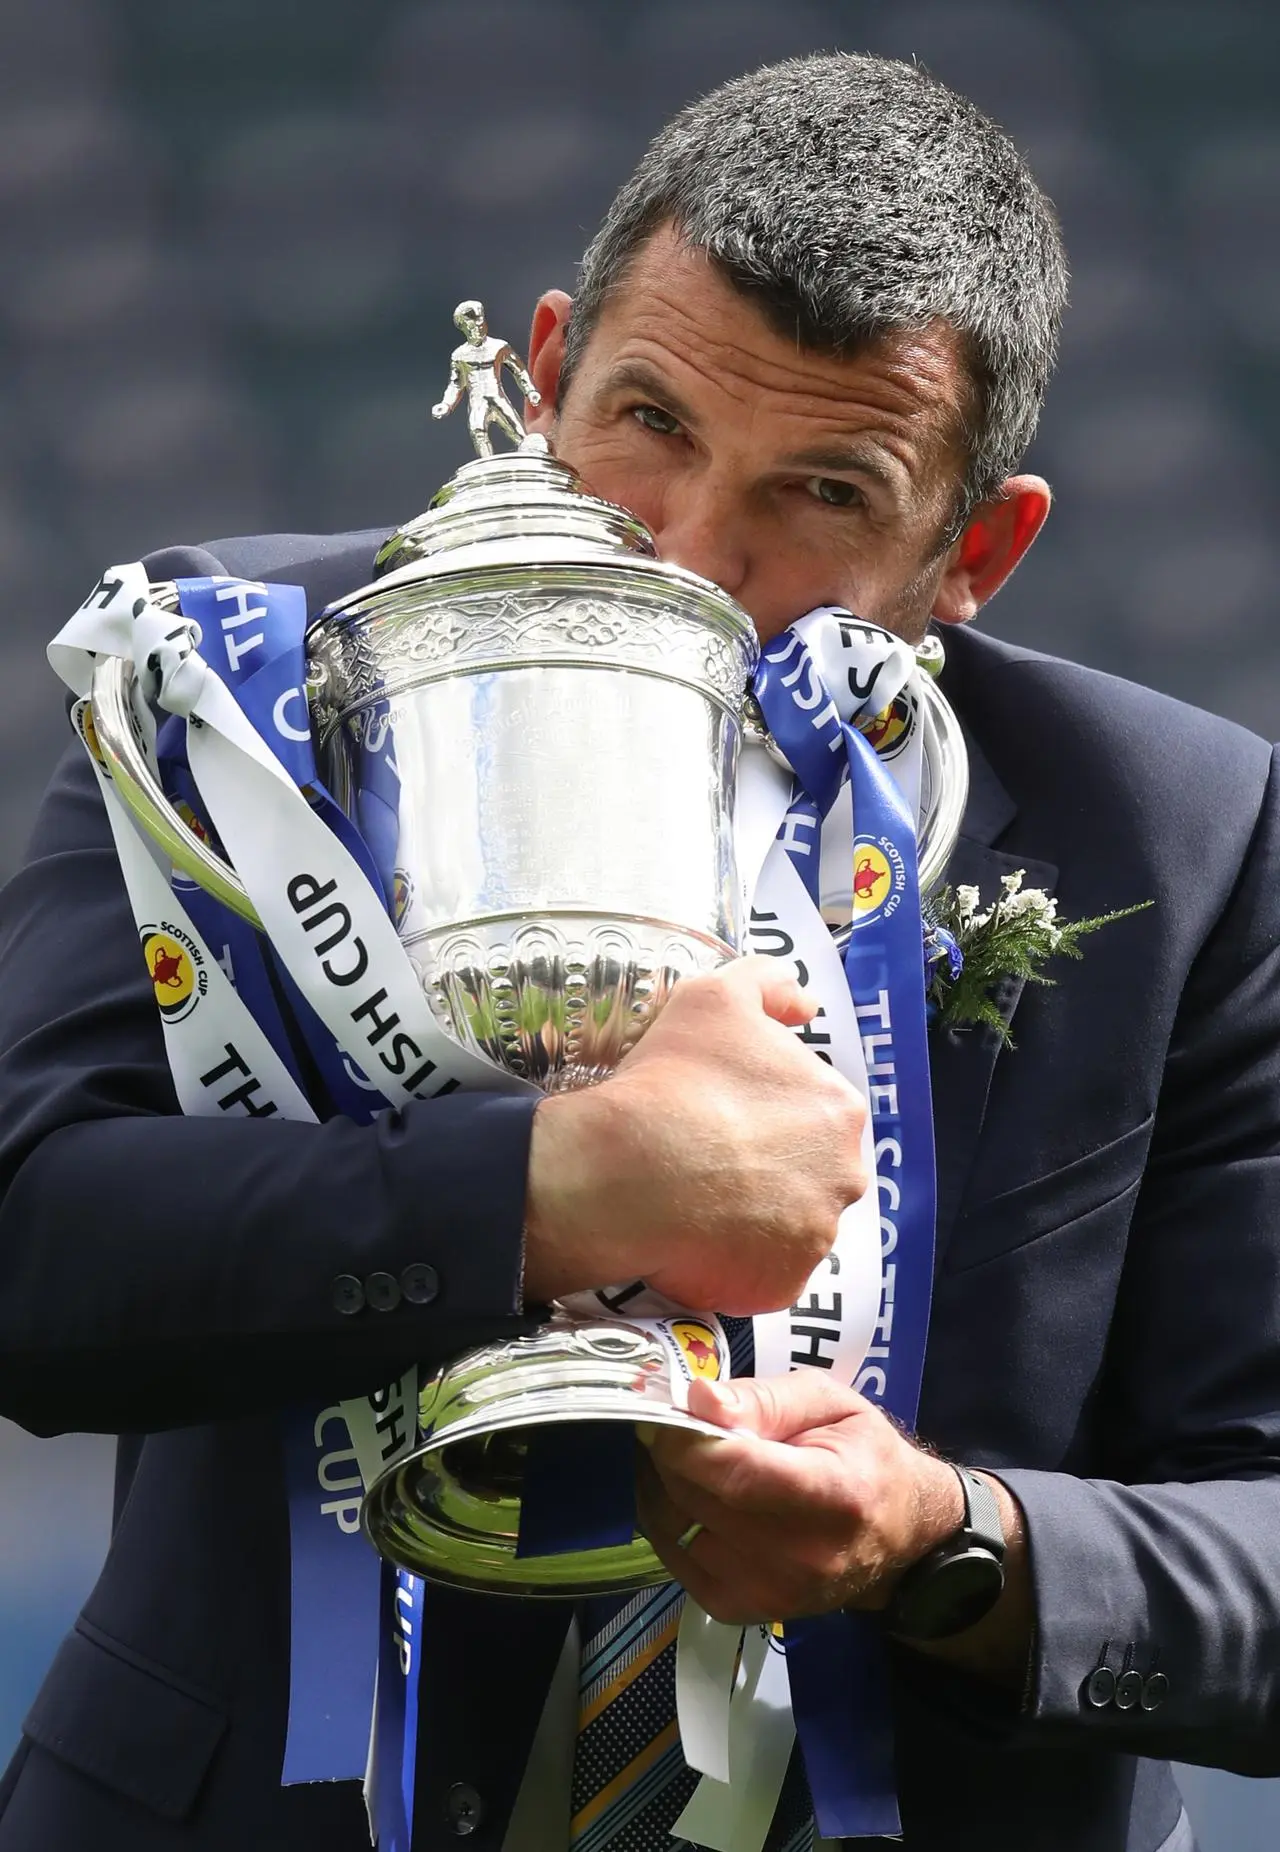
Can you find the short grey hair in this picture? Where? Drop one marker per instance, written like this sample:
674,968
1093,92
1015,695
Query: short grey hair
849,197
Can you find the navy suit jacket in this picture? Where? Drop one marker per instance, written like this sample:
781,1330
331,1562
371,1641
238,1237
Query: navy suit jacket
1106,1326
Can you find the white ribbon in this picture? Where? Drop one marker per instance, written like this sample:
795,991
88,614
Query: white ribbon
727,1813
694,1342
221,1061
855,1257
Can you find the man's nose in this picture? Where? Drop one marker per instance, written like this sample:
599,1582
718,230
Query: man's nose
703,530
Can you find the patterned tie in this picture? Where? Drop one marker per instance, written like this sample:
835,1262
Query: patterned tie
630,1781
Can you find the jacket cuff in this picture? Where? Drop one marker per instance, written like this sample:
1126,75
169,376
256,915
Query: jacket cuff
458,1171
1090,1601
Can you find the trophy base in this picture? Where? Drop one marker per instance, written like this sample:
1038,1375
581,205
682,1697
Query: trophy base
449,1511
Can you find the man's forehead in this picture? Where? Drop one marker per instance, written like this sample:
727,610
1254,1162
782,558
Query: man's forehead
674,316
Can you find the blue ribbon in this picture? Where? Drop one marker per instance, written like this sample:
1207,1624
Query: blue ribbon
579,1488
254,637
399,1674
836,1665
333,1604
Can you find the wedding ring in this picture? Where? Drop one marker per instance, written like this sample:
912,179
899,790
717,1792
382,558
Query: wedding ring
686,1537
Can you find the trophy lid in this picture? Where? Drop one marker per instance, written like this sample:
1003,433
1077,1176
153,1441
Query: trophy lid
515,497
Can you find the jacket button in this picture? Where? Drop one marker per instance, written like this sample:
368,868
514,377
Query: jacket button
382,1292
1154,1691
347,1294
1100,1687
464,1808
1129,1690
420,1283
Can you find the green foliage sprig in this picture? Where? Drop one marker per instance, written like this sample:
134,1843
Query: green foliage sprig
1013,937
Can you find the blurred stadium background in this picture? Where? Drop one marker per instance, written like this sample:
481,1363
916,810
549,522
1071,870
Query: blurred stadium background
231,238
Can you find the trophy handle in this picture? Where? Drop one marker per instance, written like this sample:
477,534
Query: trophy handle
116,732
947,758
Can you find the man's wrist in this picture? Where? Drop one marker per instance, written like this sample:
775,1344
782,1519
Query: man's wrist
569,1245
940,1503
998,1647
934,1512
958,1581
553,1262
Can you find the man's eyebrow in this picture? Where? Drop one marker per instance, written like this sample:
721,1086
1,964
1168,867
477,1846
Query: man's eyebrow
847,458
638,376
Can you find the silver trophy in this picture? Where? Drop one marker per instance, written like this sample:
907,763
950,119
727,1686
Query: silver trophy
566,713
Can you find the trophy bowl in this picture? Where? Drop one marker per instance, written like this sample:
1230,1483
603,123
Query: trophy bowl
536,724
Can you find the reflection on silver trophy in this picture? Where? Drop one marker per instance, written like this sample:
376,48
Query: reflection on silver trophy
565,713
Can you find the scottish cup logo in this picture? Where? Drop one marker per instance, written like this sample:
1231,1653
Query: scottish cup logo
879,879
194,823
890,730
698,1343
402,890
176,970
694,1348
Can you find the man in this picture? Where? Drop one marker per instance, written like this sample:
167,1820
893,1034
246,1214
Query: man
809,350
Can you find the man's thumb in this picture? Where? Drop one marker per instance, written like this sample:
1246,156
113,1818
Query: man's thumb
774,1407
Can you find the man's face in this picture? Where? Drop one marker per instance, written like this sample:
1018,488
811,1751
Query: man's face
790,479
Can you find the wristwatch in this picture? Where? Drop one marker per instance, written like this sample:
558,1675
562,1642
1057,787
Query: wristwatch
959,1581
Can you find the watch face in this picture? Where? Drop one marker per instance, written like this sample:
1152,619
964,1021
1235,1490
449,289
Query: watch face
952,1596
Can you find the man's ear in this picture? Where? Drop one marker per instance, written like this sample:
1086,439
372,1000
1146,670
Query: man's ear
996,536
546,354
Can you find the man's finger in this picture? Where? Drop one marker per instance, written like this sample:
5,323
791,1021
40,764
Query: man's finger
743,1478
776,1407
657,1511
718,1575
694,1479
775,983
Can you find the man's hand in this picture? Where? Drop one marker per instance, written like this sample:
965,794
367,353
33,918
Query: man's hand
714,1164
815,1501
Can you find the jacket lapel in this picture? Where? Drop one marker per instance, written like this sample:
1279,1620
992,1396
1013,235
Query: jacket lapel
962,1061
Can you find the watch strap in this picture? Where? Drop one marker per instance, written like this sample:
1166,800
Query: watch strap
981,1512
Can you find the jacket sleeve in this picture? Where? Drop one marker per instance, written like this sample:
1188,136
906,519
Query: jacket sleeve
158,1271
1174,1556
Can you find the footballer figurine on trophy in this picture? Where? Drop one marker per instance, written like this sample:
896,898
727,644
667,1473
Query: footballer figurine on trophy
476,369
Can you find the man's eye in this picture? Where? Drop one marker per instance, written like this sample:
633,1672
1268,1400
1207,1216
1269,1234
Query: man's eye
831,490
653,418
